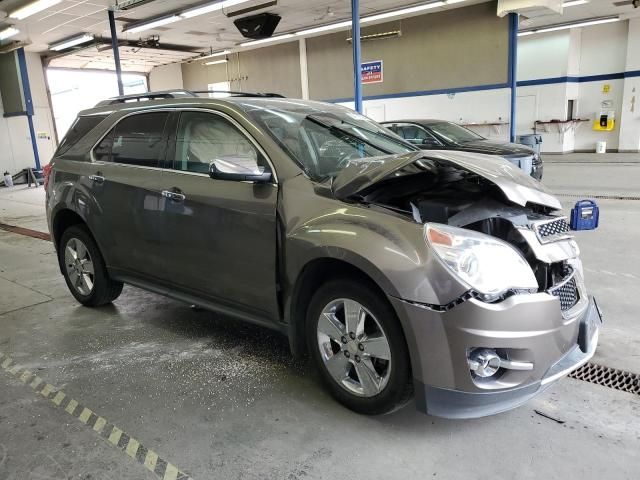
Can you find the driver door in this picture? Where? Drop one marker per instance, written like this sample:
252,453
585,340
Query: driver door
220,234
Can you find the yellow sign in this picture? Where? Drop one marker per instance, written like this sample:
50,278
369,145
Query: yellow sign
606,88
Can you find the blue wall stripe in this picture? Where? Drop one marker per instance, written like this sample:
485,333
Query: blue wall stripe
521,83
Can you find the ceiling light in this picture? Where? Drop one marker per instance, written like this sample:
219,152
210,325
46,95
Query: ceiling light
216,62
210,7
33,7
574,3
8,32
564,26
71,42
267,40
403,11
324,28
141,27
217,54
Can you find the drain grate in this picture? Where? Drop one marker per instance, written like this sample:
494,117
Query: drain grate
599,197
608,377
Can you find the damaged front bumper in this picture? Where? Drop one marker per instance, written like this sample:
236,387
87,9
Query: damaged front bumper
526,329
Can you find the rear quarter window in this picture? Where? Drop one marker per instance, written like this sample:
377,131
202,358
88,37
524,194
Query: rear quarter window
79,129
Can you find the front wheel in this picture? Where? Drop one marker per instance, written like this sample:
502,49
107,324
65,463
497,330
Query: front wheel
355,339
84,269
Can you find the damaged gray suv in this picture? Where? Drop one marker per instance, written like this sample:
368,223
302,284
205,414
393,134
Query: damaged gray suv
447,276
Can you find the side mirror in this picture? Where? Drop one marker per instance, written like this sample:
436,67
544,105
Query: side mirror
430,141
239,168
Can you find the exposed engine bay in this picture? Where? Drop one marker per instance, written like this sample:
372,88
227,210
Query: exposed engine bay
445,193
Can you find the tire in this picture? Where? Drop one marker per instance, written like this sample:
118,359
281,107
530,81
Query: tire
391,387
93,287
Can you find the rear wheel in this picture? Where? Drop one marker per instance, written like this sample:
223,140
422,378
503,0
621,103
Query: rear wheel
84,269
355,339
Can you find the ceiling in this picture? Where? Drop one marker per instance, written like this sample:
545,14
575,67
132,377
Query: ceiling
213,31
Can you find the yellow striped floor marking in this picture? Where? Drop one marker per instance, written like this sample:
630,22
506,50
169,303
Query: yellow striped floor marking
171,473
100,423
132,447
151,459
48,388
58,398
71,407
84,416
36,382
116,433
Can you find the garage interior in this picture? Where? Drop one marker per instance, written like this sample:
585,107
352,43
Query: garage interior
162,389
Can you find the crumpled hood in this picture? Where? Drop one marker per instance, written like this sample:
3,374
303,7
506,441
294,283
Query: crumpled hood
491,147
520,188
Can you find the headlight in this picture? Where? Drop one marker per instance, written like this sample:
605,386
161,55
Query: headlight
488,265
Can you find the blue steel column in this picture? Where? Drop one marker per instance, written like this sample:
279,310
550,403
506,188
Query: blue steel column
116,51
355,42
26,91
513,66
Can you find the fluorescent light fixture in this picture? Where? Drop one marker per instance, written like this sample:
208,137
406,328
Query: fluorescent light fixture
210,7
216,62
564,26
216,54
33,7
403,11
267,40
8,32
574,3
325,28
141,27
71,42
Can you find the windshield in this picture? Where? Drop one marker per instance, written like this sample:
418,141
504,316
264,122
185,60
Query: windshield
324,141
452,133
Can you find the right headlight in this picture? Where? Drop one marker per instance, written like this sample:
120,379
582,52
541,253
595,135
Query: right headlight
486,264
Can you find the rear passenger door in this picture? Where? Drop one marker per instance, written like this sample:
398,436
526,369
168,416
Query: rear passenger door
126,184
221,234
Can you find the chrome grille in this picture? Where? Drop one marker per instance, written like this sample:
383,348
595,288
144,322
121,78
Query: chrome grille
553,228
567,293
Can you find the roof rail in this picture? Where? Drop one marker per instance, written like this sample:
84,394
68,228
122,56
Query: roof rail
136,97
241,94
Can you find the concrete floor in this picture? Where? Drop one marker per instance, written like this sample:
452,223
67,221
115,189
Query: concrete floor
223,400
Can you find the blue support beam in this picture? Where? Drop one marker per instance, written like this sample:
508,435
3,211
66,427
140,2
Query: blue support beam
116,50
357,57
513,66
28,101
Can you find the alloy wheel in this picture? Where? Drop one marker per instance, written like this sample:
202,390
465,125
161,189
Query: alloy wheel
354,347
79,266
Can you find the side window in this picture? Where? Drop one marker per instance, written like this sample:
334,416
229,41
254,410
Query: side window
204,137
102,152
79,129
138,139
418,136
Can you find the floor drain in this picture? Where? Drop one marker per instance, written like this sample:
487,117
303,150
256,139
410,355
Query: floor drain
608,377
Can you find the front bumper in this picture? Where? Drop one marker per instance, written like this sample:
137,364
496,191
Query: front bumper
529,327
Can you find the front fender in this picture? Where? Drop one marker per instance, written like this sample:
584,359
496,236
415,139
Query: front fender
388,248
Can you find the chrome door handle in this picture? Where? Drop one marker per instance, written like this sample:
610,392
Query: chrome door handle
178,197
96,178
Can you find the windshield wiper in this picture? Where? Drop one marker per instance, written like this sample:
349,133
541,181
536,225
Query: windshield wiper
334,128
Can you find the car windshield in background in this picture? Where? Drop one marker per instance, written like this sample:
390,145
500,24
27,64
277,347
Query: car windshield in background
323,142
452,133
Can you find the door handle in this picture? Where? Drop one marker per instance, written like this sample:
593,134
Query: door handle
175,196
96,178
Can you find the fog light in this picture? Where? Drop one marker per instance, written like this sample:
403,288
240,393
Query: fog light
484,362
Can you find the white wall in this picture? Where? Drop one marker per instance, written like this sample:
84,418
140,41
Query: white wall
630,107
15,138
487,106
543,55
166,77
